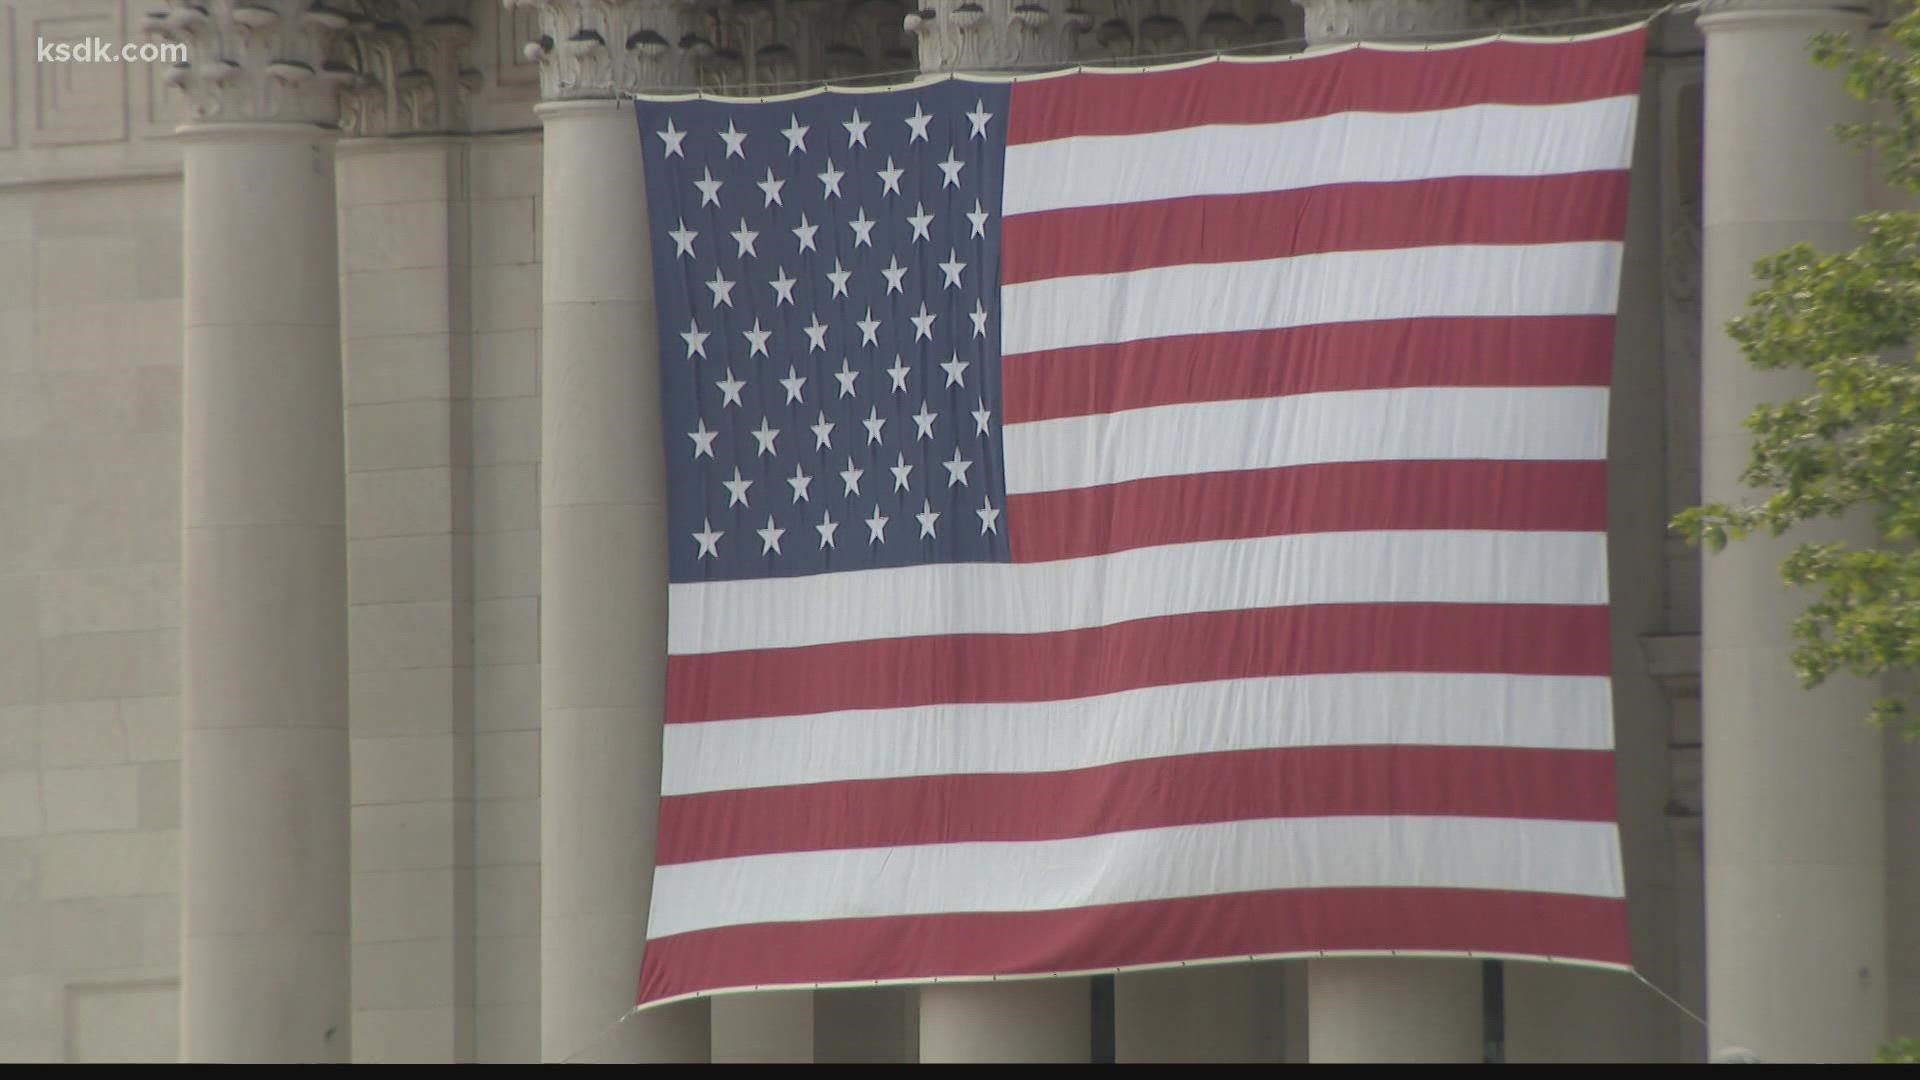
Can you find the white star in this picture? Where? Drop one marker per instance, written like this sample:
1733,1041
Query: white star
862,229
979,317
830,180
957,469
771,189
782,288
702,440
923,323
856,130
709,189
954,369
683,237
800,480
920,220
846,375
770,538
838,279
804,233
900,470
989,517
950,170
823,433
796,134
708,539
672,140
696,340
979,117
826,529
877,527
926,517
736,141
731,387
746,238
756,339
850,478
917,125
979,219
951,268
736,489
924,421
869,329
793,382
765,436
816,332
980,417
890,178
722,289
895,274
898,373
873,423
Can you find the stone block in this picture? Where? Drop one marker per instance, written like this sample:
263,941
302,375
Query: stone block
407,768
506,631
400,435
506,297
385,637
114,933
399,502
505,168
393,174
505,498
382,303
405,701
505,364
506,564
410,1036
136,663
507,1034
508,970
394,236
19,638
507,901
401,568
91,800
506,765
152,727
160,795
506,430
19,738
157,401
412,835
137,1021
110,864
506,832
20,804
107,599
408,367
408,905
159,259
86,269
82,733
506,697
406,974
503,232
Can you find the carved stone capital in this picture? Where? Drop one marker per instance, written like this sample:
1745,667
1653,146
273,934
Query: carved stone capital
256,60
610,48
413,66
1157,28
975,35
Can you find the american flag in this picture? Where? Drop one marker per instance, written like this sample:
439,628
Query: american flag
1126,519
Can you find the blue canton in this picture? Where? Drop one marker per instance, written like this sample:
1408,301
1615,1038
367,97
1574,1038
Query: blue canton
827,275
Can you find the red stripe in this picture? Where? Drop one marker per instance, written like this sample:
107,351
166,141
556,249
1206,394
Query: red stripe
1191,789
1559,350
1290,922
1520,639
1564,208
1361,496
1365,80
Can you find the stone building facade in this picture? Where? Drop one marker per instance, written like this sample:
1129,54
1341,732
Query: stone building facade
324,465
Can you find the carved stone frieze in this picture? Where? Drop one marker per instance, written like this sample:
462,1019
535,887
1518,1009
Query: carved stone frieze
607,48
1336,21
1150,28
974,35
413,65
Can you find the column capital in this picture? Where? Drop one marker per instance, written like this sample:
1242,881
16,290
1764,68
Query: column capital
610,48
1337,21
412,67
255,60
961,35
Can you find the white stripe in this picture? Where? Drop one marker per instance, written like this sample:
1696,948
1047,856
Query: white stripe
1345,148
1553,712
1576,278
1393,567
1555,423
1569,857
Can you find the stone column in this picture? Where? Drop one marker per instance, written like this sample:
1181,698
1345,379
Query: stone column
603,556
1023,1021
264,951
1795,794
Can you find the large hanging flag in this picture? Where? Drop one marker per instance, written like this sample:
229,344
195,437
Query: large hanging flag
1132,519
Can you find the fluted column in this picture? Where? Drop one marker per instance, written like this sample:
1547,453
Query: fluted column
1795,796
603,557
264,900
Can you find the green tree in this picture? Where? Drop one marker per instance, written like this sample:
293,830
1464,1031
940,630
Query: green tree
1851,445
